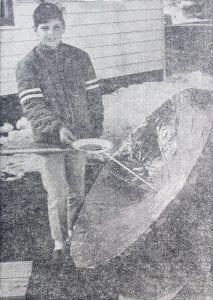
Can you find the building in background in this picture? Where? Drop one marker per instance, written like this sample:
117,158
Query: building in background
121,37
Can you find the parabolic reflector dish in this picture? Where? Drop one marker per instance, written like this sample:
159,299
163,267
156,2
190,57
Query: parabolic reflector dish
167,151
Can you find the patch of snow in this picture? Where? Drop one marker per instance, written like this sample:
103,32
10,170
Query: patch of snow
17,165
23,135
7,127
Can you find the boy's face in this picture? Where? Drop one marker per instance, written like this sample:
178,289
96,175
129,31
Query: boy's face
50,33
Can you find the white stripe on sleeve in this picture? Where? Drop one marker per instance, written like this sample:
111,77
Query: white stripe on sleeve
30,97
29,91
91,87
91,81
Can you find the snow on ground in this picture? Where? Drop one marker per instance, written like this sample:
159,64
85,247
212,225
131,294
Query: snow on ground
125,110
7,127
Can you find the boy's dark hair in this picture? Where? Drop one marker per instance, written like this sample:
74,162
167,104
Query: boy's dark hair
45,12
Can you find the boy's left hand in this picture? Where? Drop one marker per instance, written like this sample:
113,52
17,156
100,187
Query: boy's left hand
66,136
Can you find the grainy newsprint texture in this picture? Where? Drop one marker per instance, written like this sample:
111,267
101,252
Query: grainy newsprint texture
106,149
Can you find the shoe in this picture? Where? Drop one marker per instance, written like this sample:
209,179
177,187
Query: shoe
57,256
68,265
57,260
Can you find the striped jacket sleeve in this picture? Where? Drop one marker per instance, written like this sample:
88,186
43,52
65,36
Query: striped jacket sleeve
94,99
32,100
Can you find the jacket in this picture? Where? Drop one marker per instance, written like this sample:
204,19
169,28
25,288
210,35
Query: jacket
58,88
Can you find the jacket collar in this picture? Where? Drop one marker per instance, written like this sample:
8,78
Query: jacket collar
45,50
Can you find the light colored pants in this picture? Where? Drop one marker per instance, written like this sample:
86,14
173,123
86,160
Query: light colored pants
63,177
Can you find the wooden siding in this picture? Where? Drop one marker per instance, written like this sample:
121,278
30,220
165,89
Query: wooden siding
121,37
14,278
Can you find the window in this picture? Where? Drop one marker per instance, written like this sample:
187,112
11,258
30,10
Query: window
6,13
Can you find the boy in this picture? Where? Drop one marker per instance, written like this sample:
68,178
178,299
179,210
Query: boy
60,96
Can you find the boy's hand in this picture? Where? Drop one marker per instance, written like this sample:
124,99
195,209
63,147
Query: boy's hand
66,136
